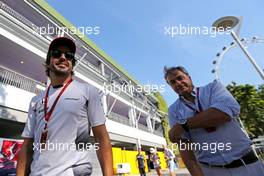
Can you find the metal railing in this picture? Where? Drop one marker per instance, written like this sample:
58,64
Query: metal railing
119,118
159,133
17,80
12,114
13,13
21,18
143,127
87,63
124,120
259,147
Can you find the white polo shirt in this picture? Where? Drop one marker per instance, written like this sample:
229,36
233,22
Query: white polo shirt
78,109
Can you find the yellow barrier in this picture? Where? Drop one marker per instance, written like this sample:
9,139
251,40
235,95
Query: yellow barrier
127,156
163,163
117,157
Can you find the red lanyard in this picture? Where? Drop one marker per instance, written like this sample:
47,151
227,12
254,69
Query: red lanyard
47,115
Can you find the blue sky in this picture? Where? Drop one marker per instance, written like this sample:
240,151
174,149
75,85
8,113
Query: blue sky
133,34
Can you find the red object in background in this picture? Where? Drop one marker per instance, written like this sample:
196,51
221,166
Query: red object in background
8,156
10,149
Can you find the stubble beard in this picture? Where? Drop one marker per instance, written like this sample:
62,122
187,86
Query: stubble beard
60,71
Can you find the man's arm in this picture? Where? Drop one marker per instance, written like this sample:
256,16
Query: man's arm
104,153
211,117
187,155
190,161
223,107
25,158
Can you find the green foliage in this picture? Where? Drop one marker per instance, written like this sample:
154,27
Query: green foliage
251,100
161,102
164,120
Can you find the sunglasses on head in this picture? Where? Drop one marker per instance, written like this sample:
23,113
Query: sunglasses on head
57,54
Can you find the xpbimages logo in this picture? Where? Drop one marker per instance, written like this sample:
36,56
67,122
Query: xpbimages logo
56,30
60,146
178,30
148,89
212,147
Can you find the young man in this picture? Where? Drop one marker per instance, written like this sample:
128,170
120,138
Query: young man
203,123
59,120
141,163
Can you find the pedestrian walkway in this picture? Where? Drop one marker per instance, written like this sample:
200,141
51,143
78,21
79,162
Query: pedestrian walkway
179,172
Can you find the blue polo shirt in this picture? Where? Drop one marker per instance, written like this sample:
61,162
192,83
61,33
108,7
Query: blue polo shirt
228,142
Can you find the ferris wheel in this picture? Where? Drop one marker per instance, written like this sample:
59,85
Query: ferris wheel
220,55
233,24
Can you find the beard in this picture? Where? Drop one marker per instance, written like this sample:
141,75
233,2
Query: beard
186,90
58,71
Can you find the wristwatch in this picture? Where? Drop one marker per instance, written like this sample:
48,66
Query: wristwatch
183,123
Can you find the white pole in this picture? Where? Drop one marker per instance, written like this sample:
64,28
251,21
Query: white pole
251,59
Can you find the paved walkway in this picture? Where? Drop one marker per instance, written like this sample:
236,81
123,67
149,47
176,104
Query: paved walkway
179,172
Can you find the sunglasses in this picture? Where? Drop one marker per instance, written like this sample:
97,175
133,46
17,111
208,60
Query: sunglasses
57,54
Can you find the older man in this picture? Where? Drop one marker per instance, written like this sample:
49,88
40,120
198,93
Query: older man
204,125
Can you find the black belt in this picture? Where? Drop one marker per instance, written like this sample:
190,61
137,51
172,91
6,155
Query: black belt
248,158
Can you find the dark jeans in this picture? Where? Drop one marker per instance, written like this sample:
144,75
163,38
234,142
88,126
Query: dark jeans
6,172
142,171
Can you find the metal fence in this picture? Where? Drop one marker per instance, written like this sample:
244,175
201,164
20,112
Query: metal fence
124,120
259,147
17,80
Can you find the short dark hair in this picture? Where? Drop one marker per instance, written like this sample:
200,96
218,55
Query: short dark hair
169,70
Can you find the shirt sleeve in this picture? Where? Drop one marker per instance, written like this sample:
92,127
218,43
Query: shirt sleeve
173,120
96,115
28,131
172,116
222,100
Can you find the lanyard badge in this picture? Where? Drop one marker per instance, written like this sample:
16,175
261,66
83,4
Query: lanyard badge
47,114
43,139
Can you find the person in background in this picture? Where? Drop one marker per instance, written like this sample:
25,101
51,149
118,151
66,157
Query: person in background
154,157
169,157
141,163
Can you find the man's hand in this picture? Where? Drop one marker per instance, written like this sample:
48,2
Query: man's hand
175,133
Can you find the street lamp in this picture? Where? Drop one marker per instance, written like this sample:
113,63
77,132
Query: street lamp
233,24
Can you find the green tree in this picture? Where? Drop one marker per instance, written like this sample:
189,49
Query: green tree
251,100
164,119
